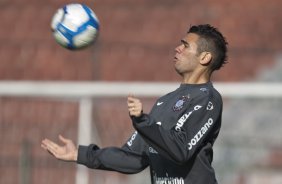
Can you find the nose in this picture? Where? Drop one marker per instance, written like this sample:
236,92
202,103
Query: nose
179,48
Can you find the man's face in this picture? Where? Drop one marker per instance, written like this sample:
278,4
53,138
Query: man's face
186,57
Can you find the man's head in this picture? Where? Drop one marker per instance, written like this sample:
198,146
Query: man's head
211,41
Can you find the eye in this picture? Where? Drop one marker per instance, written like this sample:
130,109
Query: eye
186,44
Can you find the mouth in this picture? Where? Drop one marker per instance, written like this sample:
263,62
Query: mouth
175,59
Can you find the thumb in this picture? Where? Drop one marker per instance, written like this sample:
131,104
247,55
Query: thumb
63,139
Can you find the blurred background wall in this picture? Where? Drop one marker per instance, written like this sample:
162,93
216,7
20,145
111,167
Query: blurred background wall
136,43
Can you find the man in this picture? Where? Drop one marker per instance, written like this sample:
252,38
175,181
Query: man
176,138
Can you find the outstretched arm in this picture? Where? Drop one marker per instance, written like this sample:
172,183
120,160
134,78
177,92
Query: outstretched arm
131,158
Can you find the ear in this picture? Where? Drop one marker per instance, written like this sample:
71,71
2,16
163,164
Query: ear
205,58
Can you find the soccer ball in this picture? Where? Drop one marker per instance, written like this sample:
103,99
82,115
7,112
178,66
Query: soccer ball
75,26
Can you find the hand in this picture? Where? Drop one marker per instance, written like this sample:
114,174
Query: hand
135,107
67,152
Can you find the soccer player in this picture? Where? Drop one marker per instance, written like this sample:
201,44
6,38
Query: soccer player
176,138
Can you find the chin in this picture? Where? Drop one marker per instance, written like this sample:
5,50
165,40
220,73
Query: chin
178,71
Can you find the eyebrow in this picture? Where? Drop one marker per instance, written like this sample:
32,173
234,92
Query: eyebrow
184,42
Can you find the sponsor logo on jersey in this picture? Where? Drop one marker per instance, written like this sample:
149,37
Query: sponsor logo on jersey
159,123
129,143
152,150
167,179
210,106
159,103
200,134
180,103
184,118
203,89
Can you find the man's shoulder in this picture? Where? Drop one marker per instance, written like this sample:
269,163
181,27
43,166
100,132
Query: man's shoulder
206,92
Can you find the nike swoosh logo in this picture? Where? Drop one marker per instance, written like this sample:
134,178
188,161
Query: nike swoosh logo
159,103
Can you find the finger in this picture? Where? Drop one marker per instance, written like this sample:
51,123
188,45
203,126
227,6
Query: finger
53,147
131,99
44,142
63,139
131,105
135,107
131,110
53,152
43,146
134,102
57,154
49,143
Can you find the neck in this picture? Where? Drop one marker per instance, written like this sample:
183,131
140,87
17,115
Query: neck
198,78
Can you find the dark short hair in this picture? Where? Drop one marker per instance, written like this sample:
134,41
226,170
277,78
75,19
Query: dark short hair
211,40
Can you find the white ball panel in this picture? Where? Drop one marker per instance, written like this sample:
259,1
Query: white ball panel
85,38
61,39
75,16
57,18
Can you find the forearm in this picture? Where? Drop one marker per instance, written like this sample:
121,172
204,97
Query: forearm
113,159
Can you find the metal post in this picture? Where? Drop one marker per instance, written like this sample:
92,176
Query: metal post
84,135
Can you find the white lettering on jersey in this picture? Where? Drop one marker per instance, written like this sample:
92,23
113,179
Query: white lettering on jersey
184,118
129,143
167,180
200,134
152,150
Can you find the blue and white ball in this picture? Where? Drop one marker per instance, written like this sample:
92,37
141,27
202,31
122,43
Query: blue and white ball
75,26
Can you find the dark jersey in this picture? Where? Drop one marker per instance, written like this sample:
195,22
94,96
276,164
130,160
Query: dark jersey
175,139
